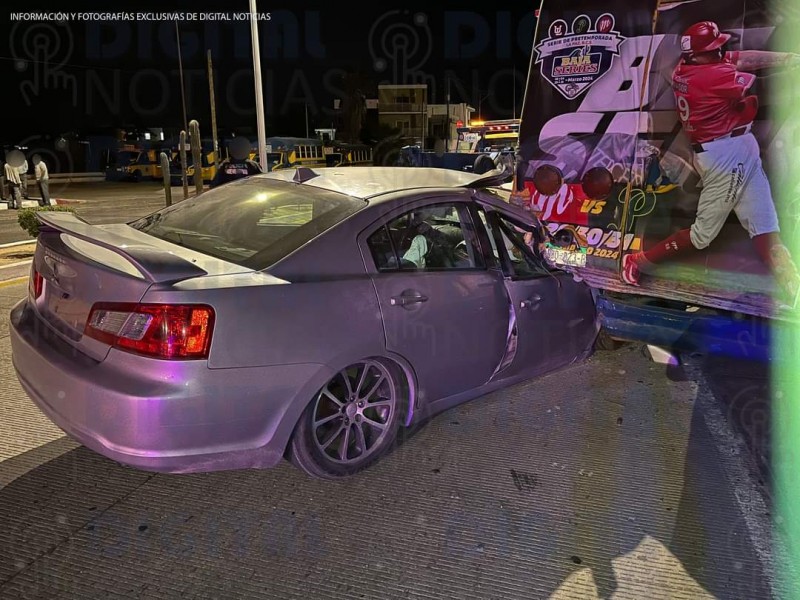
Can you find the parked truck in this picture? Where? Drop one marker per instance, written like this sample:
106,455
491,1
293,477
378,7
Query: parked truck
623,143
479,147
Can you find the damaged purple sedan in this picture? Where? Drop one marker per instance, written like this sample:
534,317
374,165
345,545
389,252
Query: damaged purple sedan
301,314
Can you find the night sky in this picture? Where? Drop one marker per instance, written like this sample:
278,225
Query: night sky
88,76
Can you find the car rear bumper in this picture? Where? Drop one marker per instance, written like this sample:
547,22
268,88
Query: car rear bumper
165,416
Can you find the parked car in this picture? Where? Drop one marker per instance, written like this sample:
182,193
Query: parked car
301,314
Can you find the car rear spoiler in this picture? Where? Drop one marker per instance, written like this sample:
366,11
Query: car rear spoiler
155,265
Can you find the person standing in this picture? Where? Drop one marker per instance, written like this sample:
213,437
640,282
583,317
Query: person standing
23,178
237,165
711,90
42,179
13,181
3,183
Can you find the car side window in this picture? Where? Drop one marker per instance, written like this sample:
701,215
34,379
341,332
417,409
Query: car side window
517,242
430,238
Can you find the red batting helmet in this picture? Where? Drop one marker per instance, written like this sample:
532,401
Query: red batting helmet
704,36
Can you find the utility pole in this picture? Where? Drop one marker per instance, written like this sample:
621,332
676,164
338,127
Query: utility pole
215,139
514,90
262,134
447,147
183,103
481,98
306,105
423,111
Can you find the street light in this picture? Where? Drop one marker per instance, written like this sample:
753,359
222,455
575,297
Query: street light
180,71
262,135
184,177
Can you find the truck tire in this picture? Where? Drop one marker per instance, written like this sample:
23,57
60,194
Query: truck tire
483,164
605,342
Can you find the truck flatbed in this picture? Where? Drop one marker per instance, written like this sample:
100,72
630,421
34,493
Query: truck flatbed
695,293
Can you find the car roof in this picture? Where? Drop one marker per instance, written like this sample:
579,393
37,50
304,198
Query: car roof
368,182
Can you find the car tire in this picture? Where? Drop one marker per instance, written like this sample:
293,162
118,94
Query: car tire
136,176
352,421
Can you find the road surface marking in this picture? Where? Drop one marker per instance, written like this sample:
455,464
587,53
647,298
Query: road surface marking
16,264
15,281
752,506
20,243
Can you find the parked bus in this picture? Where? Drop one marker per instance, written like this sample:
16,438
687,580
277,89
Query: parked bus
341,154
290,152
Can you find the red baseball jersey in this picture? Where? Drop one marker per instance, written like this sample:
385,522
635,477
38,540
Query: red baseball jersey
711,99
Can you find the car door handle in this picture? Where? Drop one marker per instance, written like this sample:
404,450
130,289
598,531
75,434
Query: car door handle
406,299
531,302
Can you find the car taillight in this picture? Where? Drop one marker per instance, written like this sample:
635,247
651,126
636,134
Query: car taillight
37,284
169,331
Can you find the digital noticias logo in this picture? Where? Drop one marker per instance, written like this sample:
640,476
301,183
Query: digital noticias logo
574,56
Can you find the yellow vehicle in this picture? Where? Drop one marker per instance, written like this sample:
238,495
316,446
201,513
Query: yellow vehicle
290,152
487,136
208,169
135,165
340,154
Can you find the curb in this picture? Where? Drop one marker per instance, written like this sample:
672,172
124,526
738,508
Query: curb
58,202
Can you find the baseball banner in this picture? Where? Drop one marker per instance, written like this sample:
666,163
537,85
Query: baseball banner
648,129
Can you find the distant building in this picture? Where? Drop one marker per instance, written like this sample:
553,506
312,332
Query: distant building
404,107
460,116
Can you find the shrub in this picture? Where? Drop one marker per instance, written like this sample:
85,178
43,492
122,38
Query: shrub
28,221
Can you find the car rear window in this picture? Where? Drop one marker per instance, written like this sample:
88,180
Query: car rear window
254,222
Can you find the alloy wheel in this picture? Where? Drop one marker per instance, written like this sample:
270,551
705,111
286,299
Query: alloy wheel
352,412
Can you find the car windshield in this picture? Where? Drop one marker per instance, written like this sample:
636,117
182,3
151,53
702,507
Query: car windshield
253,223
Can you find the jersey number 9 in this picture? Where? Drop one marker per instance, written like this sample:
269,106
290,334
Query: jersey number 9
683,108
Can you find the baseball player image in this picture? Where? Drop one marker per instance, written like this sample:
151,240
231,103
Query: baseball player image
716,110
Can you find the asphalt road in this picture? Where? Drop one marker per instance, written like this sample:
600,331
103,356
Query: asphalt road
101,202
614,478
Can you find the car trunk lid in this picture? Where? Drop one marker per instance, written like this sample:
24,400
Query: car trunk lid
82,264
